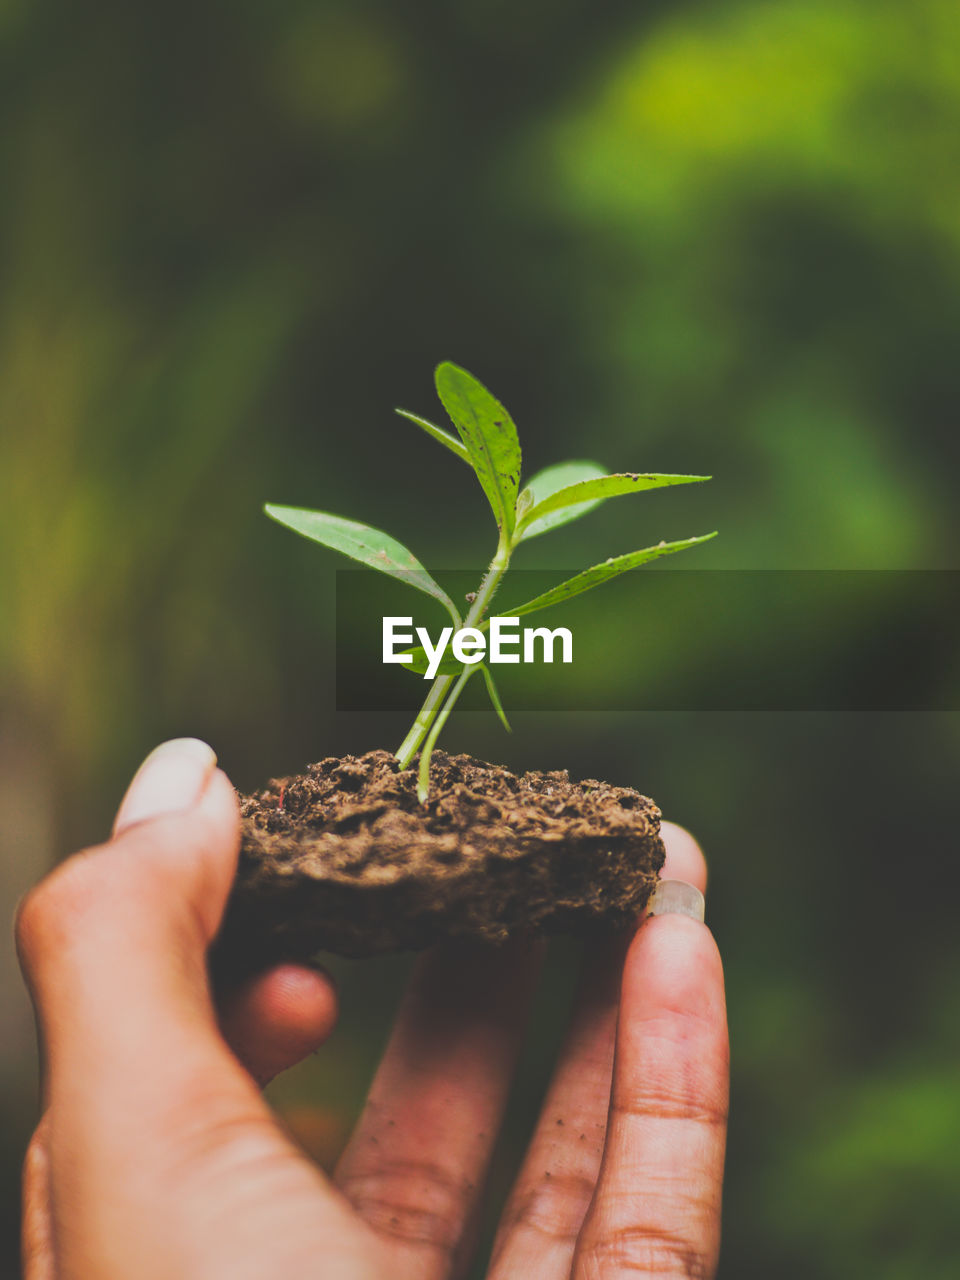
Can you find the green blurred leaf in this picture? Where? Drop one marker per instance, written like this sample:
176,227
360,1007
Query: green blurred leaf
488,432
599,573
372,547
438,433
591,492
549,481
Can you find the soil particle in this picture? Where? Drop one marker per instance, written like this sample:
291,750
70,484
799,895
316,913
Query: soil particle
344,858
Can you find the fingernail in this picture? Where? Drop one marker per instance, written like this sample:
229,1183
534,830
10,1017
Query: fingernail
676,898
172,778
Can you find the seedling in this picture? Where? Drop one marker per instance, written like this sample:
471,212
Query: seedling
486,441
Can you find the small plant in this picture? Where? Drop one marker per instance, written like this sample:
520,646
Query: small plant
487,441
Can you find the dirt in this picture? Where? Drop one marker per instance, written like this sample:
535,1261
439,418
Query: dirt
344,858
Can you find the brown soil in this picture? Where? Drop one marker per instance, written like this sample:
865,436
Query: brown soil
343,858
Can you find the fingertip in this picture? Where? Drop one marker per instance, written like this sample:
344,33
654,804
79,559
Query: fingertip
677,897
172,778
673,967
299,1000
685,860
188,856
221,794
278,1018
220,805
210,823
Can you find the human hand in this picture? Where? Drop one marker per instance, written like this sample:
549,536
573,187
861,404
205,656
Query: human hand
157,1157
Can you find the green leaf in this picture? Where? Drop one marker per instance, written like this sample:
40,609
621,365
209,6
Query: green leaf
375,549
438,433
495,696
591,492
488,432
549,481
593,577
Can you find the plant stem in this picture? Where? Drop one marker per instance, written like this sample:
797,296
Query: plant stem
435,704
420,727
423,776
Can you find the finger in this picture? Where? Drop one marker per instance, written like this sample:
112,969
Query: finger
37,1229
156,1133
685,860
126,926
656,1209
192,764
277,1019
546,1208
417,1159
171,778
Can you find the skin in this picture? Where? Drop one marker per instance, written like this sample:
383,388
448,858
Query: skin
157,1156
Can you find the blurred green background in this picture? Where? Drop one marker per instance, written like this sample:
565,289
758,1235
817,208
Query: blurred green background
709,237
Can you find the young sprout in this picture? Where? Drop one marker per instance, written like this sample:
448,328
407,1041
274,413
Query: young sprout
486,441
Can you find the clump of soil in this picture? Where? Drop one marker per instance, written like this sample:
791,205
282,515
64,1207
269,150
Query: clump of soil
344,858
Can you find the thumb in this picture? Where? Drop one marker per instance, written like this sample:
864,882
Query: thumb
172,778
162,1155
181,777
113,943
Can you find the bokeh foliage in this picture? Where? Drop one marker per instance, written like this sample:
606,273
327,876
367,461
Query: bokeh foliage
707,237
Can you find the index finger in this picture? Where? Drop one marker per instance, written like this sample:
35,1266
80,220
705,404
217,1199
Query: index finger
656,1209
